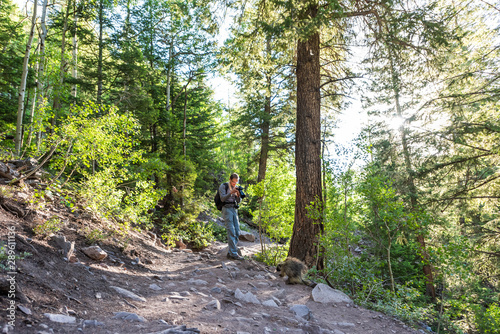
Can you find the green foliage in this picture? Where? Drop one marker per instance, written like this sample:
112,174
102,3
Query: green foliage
50,226
273,255
11,61
91,141
94,236
37,200
5,192
5,256
182,225
488,319
101,194
219,232
101,152
276,210
406,304
197,234
201,235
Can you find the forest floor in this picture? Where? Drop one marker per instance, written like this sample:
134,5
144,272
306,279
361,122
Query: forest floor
148,288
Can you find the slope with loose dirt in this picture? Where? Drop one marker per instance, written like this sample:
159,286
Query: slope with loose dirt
143,287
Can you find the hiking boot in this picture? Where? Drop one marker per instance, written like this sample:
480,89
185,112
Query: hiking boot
237,257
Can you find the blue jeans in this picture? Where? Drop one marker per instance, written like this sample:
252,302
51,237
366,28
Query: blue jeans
230,216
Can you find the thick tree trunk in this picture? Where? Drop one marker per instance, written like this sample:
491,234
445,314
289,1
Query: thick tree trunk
306,231
22,86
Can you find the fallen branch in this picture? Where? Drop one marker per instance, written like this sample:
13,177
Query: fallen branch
38,167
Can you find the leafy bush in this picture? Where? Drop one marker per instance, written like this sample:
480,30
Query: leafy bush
5,192
51,225
197,234
94,236
276,211
181,224
4,256
101,153
488,319
37,200
273,255
219,232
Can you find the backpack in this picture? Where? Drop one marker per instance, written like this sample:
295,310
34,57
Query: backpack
218,203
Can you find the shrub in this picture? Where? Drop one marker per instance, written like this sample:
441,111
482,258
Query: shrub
488,319
276,210
4,256
51,225
94,236
218,232
273,255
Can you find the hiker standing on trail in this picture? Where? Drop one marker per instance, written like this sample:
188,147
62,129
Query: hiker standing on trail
230,196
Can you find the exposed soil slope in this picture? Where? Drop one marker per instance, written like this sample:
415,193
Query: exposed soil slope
176,291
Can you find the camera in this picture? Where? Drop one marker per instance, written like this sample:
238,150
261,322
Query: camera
242,194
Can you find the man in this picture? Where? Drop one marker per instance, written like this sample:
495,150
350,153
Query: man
230,196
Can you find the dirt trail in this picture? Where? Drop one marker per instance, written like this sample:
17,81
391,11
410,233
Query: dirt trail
172,291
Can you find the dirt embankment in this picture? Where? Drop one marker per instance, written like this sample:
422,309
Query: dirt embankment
147,288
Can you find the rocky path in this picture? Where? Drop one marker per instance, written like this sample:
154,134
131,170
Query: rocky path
149,289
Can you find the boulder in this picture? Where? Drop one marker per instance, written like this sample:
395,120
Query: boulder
248,297
95,252
246,236
322,293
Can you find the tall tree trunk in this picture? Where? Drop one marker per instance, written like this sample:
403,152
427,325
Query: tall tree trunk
62,66
391,275
184,150
264,148
22,86
306,231
41,67
74,88
32,113
169,75
154,140
429,284
323,168
99,59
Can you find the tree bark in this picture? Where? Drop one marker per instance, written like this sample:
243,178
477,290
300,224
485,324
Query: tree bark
22,86
306,230
184,149
265,125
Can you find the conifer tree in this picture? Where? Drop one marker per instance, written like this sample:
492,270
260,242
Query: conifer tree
259,54
12,47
